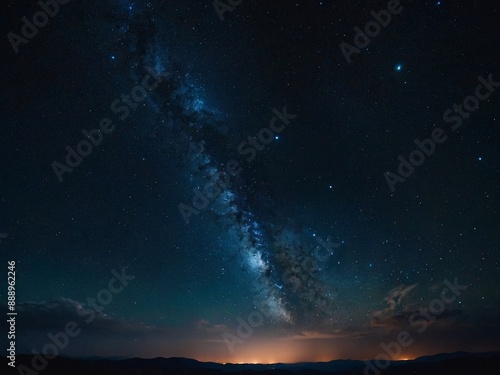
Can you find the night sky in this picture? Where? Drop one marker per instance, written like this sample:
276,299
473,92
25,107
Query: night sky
310,233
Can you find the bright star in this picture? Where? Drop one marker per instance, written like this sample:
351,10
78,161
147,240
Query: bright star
276,137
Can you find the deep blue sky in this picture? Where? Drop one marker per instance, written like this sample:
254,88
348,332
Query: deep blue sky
322,177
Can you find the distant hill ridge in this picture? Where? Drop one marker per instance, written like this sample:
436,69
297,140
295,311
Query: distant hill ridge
441,364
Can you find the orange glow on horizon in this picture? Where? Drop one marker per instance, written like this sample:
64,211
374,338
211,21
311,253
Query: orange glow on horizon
291,355
407,358
269,351
266,353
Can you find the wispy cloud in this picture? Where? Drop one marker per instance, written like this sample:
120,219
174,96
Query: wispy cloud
393,299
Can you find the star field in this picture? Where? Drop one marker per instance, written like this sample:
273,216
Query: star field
238,168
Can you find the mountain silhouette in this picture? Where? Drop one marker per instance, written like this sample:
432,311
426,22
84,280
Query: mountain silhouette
459,363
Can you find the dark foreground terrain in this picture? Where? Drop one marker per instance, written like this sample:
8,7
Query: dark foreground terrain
442,364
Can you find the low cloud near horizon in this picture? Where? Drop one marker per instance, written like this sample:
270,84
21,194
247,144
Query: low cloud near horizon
113,336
